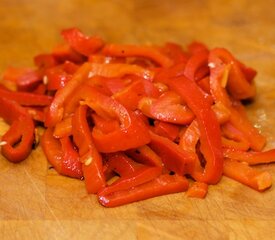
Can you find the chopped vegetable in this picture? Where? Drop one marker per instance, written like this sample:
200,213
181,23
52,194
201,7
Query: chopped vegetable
136,122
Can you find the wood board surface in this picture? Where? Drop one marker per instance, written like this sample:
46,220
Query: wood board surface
37,203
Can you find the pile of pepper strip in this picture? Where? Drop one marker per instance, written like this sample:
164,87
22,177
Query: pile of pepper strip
133,121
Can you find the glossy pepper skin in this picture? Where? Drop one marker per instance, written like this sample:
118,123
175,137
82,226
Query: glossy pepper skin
210,134
19,138
164,184
61,155
90,157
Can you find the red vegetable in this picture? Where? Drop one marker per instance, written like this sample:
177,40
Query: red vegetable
136,122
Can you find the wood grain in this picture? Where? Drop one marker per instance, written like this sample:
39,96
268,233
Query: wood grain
36,203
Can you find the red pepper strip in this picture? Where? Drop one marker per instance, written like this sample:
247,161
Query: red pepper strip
141,175
249,72
163,74
20,136
25,98
164,184
132,132
188,142
164,129
174,52
81,43
151,53
252,158
240,122
256,140
204,84
121,164
55,113
197,190
37,114
238,86
230,132
190,137
70,165
26,79
105,125
98,58
197,47
109,86
63,128
237,145
222,112
173,157
196,67
44,61
209,128
247,175
168,108
145,155
92,161
116,70
64,52
131,95
57,77
40,89
61,155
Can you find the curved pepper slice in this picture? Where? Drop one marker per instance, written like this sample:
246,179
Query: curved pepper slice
92,161
132,132
168,108
237,118
131,173
164,184
238,86
208,125
173,157
20,136
25,98
61,154
119,50
81,43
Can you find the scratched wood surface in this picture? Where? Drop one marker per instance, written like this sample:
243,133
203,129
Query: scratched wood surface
36,203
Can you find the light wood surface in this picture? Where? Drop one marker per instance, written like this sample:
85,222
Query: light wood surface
36,203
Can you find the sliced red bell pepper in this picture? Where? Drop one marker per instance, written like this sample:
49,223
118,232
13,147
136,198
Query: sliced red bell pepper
197,47
168,108
237,118
162,185
61,155
19,138
251,157
148,52
55,111
90,157
197,190
26,79
25,98
64,52
130,95
165,129
238,86
243,173
80,43
132,132
175,52
145,155
196,67
173,157
131,174
210,134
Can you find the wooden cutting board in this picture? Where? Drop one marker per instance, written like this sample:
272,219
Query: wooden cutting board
36,203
